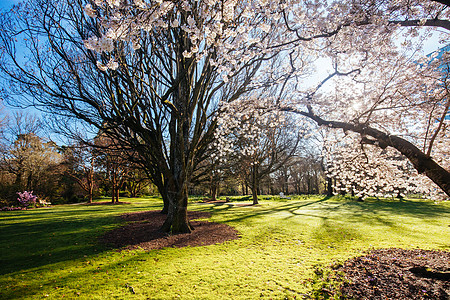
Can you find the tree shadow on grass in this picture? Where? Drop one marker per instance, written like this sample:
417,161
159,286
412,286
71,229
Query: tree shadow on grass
327,207
342,219
33,289
29,240
38,237
35,244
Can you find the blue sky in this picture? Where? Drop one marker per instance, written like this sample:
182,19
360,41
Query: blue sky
431,45
7,4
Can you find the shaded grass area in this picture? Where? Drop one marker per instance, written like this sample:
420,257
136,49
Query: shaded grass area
54,253
41,236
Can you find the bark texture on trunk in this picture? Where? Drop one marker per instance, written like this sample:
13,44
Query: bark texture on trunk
177,173
255,196
165,209
214,193
329,187
255,185
177,219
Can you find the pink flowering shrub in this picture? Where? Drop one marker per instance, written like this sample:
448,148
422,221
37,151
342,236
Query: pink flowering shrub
26,198
8,208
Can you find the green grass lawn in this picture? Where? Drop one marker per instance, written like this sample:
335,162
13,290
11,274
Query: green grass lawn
53,253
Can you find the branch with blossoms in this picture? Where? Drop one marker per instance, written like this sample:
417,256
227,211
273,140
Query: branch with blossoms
421,162
401,76
368,171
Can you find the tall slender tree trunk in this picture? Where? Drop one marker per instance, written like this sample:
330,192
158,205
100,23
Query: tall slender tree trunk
113,187
329,186
91,186
255,185
90,183
213,189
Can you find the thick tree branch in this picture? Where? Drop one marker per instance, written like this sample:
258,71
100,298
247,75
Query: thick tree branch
445,2
445,24
421,162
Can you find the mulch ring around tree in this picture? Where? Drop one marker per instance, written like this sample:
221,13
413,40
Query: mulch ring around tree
142,231
398,274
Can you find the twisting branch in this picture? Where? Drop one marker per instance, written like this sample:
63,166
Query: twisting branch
436,22
421,161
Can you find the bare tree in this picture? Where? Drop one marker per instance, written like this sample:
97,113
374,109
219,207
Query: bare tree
79,161
157,100
257,155
27,155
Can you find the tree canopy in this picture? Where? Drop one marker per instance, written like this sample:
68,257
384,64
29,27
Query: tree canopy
157,75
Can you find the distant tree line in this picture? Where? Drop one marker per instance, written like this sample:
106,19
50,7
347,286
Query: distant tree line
84,171
63,174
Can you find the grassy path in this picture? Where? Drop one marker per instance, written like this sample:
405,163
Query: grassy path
52,253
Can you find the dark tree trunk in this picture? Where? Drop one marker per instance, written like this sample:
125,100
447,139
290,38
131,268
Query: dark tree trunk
177,219
166,205
255,185
255,196
329,186
113,187
213,193
213,190
117,193
160,185
176,194
181,156
18,179
180,222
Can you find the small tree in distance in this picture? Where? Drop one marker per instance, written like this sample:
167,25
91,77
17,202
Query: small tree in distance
79,161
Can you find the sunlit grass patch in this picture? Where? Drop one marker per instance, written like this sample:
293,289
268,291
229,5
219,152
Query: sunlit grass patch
54,252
